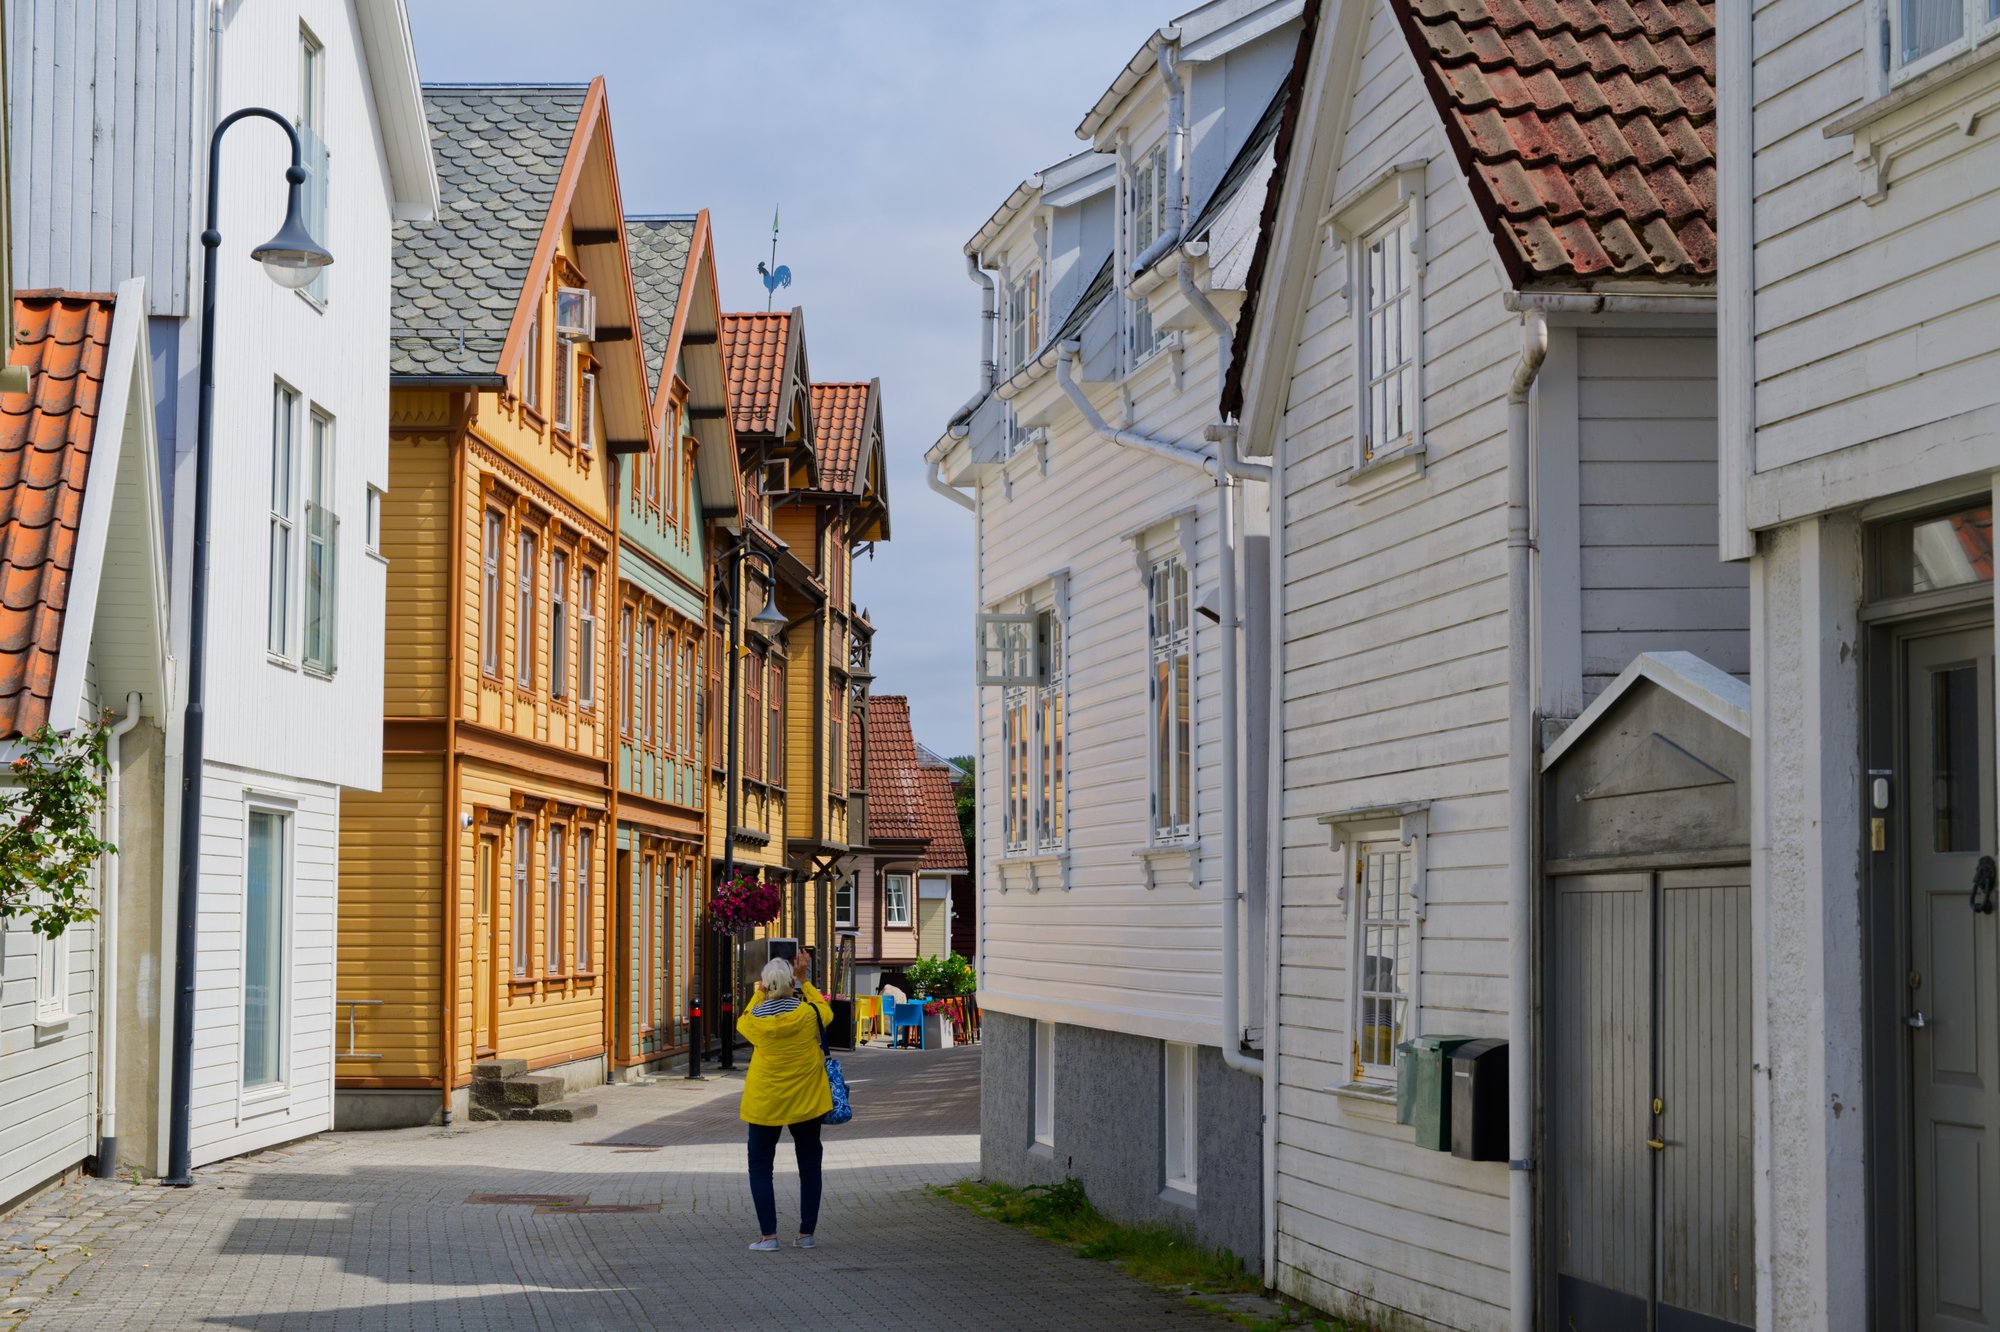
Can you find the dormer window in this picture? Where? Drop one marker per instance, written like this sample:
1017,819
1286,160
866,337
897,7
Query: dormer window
1147,199
1024,313
576,313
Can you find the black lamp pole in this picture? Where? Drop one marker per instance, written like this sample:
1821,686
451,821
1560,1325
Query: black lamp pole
291,251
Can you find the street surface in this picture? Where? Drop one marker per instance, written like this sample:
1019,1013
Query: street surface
365,1231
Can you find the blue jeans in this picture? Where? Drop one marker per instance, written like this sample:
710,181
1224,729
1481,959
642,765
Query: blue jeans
763,1151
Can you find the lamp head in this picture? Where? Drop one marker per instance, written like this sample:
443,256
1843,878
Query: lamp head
292,258
770,617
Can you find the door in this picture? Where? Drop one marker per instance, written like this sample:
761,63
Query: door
1648,1101
482,946
1952,1013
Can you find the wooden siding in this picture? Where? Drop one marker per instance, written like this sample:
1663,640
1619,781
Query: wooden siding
103,152
417,542
392,918
48,1118
1871,320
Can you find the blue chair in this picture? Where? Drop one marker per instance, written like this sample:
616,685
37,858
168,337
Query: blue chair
888,1017
909,1017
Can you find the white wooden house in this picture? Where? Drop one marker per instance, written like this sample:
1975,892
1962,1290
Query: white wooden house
1861,439
1113,832
1479,355
83,641
111,110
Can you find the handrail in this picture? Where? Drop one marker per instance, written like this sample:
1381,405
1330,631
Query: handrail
351,1004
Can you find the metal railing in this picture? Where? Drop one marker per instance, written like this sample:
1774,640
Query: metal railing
350,1005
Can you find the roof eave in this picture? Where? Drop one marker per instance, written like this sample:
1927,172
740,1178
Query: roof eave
390,52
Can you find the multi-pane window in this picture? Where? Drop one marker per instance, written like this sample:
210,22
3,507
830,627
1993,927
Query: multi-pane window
1922,33
1387,337
374,520
322,546
586,428
585,844
489,593
1182,1137
1170,639
553,960
843,902
1032,735
267,890
559,625
1384,935
627,716
836,717
524,839
52,978
777,766
649,731
284,519
312,148
1024,313
586,641
753,718
677,737
1147,199
691,672
1144,337
714,711
896,900
525,616
531,363
565,392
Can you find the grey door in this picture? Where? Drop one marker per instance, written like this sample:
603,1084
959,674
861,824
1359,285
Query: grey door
1648,1105
1952,1012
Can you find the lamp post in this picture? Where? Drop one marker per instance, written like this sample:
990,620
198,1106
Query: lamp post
292,258
770,618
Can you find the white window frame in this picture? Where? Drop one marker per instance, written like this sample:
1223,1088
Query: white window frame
1024,310
586,639
280,1005
282,553
373,517
495,537
586,848
1146,200
527,606
586,429
1979,23
1393,201
522,934
843,903
1359,836
897,892
313,152
1042,1086
52,959
1170,642
1034,770
552,942
564,407
319,580
531,363
559,624
1180,1136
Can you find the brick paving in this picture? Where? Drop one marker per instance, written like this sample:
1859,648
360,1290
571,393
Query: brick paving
373,1231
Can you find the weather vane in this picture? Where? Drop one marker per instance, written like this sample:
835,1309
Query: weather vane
775,275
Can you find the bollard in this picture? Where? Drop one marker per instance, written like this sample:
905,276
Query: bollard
694,1042
727,1030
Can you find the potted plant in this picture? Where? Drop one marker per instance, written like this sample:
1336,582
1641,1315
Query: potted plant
743,902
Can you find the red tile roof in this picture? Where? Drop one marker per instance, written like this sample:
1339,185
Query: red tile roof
840,415
753,356
939,816
1586,126
45,441
894,797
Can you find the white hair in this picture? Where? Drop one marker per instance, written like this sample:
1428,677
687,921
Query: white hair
778,978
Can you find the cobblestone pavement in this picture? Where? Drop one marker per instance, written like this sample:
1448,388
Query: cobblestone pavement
368,1231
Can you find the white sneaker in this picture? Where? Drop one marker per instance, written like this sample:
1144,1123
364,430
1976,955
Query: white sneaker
805,1242
765,1246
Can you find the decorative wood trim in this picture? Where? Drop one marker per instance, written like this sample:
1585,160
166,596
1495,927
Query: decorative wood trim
530,756
414,736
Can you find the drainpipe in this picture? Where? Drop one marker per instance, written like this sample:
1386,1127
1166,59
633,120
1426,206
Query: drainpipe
989,322
106,1163
1168,45
935,480
1520,830
1225,336
1171,450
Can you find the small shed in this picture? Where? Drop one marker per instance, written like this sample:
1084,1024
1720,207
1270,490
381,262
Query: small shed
1645,990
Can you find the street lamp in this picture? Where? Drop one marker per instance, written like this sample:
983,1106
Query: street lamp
772,620
292,258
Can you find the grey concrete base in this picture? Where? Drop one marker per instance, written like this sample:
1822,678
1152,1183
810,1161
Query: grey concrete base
1110,1123
364,1108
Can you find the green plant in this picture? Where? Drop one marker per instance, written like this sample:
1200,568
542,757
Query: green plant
50,809
940,977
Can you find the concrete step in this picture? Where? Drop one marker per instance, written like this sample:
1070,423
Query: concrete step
492,1070
534,1089
485,1114
556,1114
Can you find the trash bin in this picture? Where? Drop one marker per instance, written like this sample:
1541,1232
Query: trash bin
1479,1101
1430,1111
1406,1082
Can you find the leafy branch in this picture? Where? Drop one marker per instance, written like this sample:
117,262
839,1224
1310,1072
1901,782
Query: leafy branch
51,801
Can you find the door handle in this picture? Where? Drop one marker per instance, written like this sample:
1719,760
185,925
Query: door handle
1916,1021
1985,877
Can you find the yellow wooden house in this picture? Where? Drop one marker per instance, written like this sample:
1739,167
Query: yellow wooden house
474,886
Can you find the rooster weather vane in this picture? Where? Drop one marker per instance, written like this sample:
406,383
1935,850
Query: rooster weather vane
775,274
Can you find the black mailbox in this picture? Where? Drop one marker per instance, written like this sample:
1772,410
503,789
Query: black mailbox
1479,1101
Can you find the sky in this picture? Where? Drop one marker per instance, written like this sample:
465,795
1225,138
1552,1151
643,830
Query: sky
885,132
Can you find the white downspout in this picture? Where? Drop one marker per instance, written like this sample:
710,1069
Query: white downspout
1171,450
1520,832
106,1163
1168,43
1225,336
936,482
989,320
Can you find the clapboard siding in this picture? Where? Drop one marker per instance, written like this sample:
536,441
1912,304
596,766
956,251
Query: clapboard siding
392,917
48,1116
102,153
417,542
1646,446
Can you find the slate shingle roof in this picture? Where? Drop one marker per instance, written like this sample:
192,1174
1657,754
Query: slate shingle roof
457,280
938,816
45,442
840,414
753,356
894,795
1586,126
659,249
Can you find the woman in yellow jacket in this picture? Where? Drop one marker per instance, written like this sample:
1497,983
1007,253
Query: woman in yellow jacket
786,1087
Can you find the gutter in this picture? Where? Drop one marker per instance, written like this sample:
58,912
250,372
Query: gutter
1171,450
105,1165
935,480
1521,776
1225,335
1168,46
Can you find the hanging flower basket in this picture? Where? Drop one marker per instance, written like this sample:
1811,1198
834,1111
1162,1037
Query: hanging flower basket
744,902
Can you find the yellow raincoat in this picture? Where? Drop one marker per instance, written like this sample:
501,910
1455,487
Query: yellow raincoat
787,1079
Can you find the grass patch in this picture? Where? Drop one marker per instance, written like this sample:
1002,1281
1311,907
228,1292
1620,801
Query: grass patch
1157,1255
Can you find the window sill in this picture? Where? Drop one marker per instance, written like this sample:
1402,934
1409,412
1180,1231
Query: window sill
377,556
1390,471
265,1103
533,416
315,673
1367,1094
1943,99
1183,856
281,661
1035,868
1179,1195
52,1026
